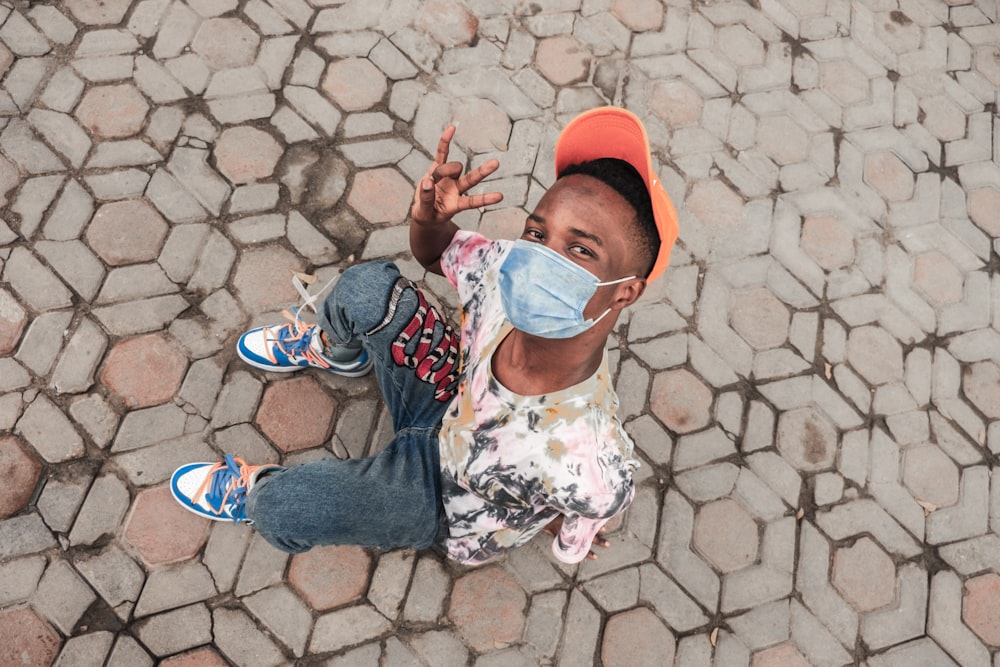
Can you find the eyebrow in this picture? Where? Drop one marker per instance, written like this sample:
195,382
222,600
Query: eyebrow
573,230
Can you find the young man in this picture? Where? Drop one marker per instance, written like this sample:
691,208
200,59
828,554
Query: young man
502,430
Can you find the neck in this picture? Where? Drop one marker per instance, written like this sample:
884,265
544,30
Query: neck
532,366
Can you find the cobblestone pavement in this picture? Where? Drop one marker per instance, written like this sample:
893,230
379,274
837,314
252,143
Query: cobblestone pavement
813,388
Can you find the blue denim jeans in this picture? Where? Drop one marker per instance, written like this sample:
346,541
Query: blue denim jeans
391,499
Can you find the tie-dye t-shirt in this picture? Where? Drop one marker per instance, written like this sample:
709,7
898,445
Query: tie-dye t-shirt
510,464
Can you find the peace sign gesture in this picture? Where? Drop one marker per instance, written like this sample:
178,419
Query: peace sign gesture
441,192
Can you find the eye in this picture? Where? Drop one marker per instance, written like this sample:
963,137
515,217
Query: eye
581,250
533,234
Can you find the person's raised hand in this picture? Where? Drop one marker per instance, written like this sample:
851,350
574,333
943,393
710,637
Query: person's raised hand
441,192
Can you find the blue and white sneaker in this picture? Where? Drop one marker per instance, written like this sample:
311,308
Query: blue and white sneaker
291,347
216,491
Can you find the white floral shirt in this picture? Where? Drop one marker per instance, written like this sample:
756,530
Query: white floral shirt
510,464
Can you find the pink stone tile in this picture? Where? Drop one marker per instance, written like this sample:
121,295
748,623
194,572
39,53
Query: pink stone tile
381,195
937,278
760,318
21,471
782,139
639,15
328,577
807,439
487,608
637,638
562,60
98,12
263,279
981,382
677,103
13,319
126,232
205,656
144,371
296,414
113,112
161,530
865,575
354,84
889,176
26,639
984,209
981,607
681,401
449,22
225,43
781,655
718,207
726,535
828,241
244,154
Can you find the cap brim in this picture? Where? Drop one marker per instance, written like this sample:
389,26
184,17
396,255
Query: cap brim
612,132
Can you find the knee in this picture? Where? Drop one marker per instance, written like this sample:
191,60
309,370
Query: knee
370,279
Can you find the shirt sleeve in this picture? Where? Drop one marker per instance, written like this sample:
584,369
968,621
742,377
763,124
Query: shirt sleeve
463,259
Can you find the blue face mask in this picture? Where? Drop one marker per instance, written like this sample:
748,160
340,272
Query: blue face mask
544,293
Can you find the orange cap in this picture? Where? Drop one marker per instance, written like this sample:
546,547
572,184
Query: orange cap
616,133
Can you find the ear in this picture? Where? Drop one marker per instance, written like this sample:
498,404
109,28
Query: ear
628,293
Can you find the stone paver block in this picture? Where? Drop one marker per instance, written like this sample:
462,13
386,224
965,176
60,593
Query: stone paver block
449,22
113,112
144,371
889,176
930,475
562,60
681,401
844,82
381,195
981,607
246,154
487,608
828,241
13,319
865,575
205,656
984,209
676,102
296,414
875,354
263,279
329,577
53,437
102,511
716,205
937,278
639,15
21,473
637,638
726,535
760,318
981,383
26,639
161,530
807,439
782,139
225,43
98,12
126,232
784,654
63,596
481,126
354,84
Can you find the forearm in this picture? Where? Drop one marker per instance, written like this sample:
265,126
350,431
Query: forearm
428,242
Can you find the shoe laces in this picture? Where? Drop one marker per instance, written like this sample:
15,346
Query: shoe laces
294,339
226,486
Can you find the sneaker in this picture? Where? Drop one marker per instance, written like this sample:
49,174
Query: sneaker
216,491
294,346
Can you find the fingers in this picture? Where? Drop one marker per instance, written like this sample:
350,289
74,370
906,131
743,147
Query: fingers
475,176
444,145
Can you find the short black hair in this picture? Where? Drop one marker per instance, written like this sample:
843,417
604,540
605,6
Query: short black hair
623,178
